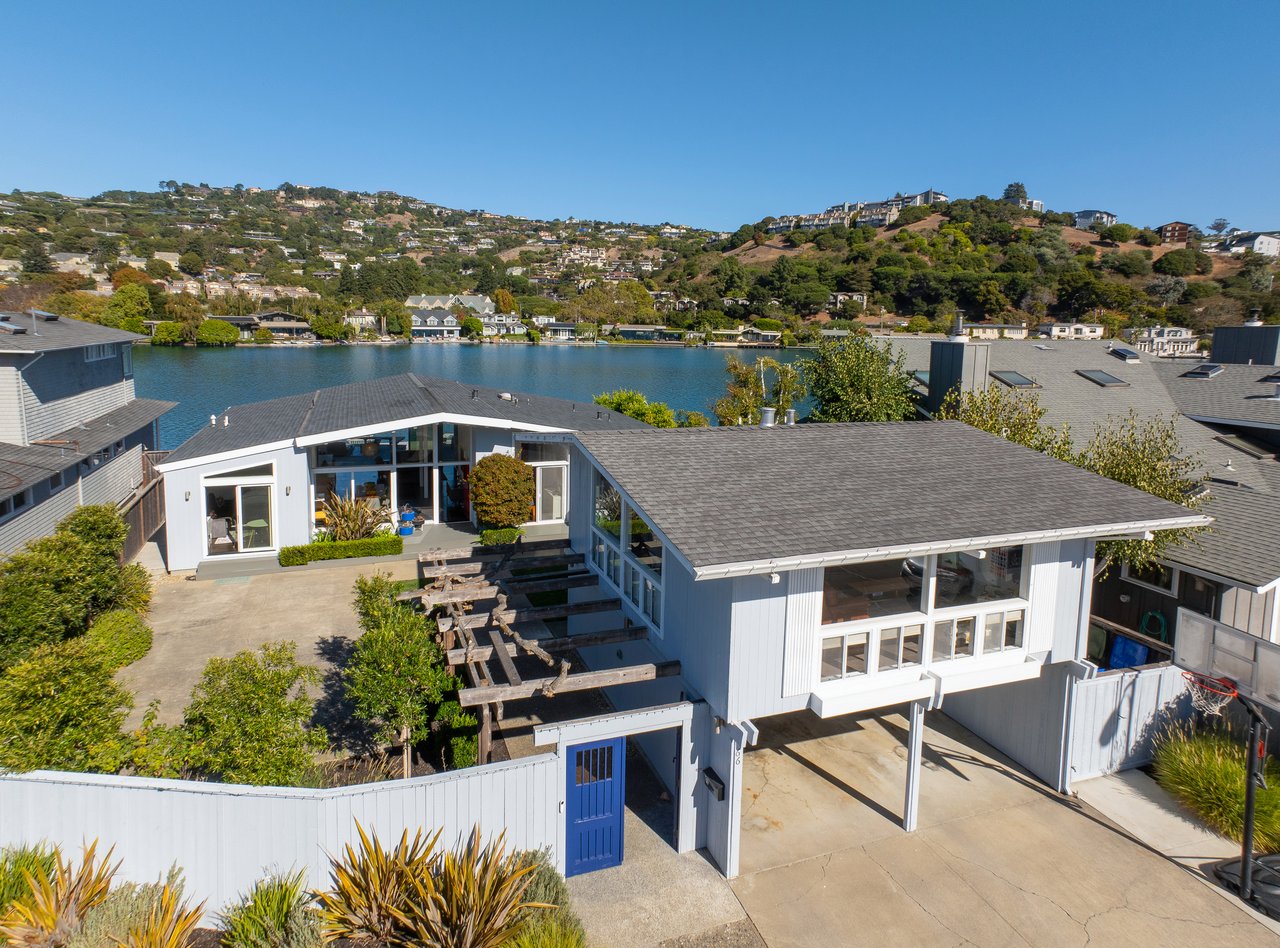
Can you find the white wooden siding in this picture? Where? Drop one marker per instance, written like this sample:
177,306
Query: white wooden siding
804,615
1116,716
11,430
224,837
757,657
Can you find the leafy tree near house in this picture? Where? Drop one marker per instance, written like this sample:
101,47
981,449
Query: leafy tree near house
472,328
191,263
36,260
1014,415
504,302
216,332
395,316
262,336
159,269
127,275
248,720
856,380
501,491
1119,233
1219,225
127,308
396,678
788,385
1014,191
634,404
168,334
744,396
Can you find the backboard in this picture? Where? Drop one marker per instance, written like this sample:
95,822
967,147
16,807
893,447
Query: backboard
1212,648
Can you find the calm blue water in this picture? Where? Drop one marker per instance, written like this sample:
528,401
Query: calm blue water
205,381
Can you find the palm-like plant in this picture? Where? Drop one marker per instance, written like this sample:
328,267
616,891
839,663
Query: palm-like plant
276,913
350,519
170,924
370,888
58,904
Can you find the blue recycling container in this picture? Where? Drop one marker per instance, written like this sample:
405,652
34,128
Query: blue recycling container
406,530
407,516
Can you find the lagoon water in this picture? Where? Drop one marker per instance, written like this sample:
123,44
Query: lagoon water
205,381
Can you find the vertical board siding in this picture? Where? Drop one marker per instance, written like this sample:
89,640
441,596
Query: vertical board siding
11,430
1023,720
804,615
1042,595
1116,717
225,837
758,645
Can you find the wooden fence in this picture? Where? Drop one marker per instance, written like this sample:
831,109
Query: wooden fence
143,512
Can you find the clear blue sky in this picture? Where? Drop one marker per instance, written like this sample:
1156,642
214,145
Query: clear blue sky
697,111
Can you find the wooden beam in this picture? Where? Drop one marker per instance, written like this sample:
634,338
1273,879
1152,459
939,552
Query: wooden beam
532,613
504,658
522,587
480,653
470,697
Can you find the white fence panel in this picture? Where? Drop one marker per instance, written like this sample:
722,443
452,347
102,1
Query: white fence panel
1117,715
224,837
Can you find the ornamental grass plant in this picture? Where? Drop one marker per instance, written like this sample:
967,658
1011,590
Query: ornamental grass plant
1206,770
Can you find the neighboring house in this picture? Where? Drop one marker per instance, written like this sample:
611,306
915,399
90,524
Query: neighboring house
1174,232
72,263
1266,244
878,215
1086,219
638,332
72,431
480,305
836,300
559,332
362,319
284,325
1072,330
435,324
168,257
256,478
997,330
760,608
761,337
1027,204
1166,341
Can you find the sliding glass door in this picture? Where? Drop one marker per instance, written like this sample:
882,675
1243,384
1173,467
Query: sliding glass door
239,515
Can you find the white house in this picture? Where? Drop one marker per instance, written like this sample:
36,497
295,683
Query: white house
1166,341
1266,244
1072,330
791,588
256,478
435,324
1086,219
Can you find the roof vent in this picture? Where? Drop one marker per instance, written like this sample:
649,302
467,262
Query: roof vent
213,421
226,421
768,417
789,417
475,392
506,396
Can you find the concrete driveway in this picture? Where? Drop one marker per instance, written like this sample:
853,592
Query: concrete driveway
997,860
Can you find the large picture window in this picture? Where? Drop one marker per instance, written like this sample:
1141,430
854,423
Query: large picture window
976,576
607,507
871,590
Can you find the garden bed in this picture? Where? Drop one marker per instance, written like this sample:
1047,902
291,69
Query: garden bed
388,545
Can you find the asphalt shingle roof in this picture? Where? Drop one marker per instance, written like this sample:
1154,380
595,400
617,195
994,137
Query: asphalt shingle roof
46,336
384,402
732,495
1238,393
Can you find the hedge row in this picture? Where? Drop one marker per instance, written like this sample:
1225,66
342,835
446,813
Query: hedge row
122,636
388,545
500,536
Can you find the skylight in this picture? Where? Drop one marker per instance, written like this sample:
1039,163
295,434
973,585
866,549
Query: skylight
1099,377
1128,355
1014,379
1043,347
1206,370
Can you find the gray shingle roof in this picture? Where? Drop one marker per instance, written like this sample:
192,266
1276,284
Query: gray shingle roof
1244,542
1238,393
733,495
57,334
382,403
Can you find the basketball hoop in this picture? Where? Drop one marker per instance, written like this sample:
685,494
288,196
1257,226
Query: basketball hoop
1209,695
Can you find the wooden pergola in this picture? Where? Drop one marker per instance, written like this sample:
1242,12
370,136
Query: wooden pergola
454,581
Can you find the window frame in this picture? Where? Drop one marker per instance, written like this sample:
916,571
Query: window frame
611,559
1175,579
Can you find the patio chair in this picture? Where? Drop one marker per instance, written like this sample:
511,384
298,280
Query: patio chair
220,534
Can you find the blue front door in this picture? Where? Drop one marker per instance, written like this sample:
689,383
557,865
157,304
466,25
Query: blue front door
595,795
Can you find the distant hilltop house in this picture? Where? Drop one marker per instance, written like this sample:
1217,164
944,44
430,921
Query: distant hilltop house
1086,219
997,330
72,263
1175,232
1072,330
1266,244
1166,341
72,431
849,213
1027,204
168,257
480,305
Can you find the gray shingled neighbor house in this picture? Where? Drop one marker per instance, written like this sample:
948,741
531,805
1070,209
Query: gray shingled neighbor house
256,478
834,570
71,430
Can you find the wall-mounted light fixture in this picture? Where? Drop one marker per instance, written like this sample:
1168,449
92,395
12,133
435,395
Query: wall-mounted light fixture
775,578
288,489
188,496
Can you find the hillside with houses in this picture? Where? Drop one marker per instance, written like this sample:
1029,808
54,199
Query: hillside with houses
315,263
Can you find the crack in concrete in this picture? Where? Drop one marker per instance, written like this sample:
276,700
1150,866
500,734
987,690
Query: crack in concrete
920,905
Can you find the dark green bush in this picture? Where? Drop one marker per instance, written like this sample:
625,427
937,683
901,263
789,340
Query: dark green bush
500,536
461,735
121,636
389,545
1206,772
501,491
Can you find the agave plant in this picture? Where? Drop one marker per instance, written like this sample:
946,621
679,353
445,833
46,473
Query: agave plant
170,924
473,898
350,519
58,904
276,913
370,888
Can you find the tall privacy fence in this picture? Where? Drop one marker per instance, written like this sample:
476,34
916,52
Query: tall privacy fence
225,836
1117,715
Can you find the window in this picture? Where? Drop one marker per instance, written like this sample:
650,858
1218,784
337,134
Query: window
607,506
14,504
100,351
414,445
871,590
643,544
1206,370
126,353
56,483
900,646
953,638
1014,379
1099,377
455,442
1002,630
975,576
844,656
1125,355
1155,576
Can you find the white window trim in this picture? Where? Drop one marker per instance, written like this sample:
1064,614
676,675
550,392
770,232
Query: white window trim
1175,580
223,479
99,352
626,559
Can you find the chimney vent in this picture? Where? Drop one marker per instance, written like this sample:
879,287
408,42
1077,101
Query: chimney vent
768,417
790,417
226,421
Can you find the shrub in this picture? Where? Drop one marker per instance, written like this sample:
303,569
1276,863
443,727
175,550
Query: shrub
460,735
501,491
500,536
350,519
390,545
262,336
556,925
39,861
60,709
167,334
275,913
474,896
549,930
247,720
1206,771
127,907
369,890
59,903
121,636
170,924
215,332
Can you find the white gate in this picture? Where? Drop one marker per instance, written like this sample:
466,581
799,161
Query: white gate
1117,715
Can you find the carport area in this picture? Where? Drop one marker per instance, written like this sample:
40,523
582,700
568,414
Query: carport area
997,858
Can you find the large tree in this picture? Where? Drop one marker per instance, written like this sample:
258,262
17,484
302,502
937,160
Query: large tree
35,260
1015,191
856,379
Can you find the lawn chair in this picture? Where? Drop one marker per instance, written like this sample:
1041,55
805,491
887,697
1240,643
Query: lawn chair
220,535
